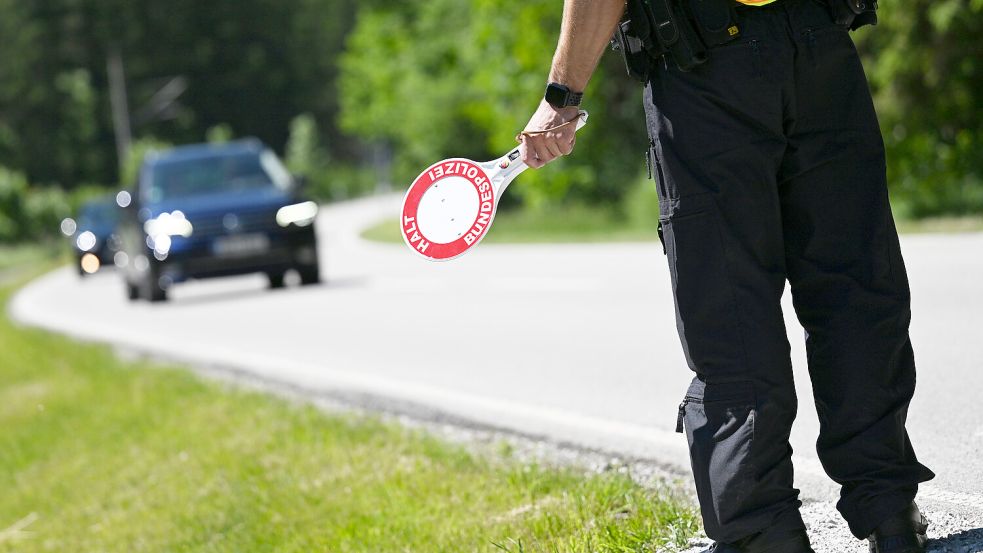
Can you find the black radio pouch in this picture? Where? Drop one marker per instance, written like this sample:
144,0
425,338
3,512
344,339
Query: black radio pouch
637,61
677,34
633,39
683,30
853,14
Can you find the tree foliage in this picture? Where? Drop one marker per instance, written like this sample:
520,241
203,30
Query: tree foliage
29,212
250,64
925,60
422,80
459,78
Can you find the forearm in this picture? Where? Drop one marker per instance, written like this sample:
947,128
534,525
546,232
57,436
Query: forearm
587,28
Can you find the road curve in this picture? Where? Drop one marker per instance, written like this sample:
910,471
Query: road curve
576,343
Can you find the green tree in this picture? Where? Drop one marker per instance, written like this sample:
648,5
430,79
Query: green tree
138,151
253,64
925,60
219,134
452,77
29,212
49,109
303,153
13,188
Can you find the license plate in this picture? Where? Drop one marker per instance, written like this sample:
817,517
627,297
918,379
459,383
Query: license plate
243,244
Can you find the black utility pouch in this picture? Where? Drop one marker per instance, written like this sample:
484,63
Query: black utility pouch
637,61
677,34
716,21
655,29
853,14
635,40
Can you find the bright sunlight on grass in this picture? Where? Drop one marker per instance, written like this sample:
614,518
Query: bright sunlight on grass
99,454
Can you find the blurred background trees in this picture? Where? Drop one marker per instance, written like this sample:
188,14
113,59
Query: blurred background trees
925,62
359,94
447,77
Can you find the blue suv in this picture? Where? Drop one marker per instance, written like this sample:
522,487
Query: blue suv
213,210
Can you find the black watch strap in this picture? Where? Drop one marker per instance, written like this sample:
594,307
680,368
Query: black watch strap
560,96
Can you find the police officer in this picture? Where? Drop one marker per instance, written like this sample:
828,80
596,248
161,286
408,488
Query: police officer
770,168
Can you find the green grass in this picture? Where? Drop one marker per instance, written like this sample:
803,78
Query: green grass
100,454
941,224
21,257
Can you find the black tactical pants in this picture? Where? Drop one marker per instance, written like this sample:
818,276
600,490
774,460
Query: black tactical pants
770,167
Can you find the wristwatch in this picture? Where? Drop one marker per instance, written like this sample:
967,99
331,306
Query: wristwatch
560,96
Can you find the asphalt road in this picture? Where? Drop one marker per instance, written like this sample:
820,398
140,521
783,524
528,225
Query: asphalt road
576,343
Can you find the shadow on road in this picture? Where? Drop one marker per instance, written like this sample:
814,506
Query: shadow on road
233,295
967,541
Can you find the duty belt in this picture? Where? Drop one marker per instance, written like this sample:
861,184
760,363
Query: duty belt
685,30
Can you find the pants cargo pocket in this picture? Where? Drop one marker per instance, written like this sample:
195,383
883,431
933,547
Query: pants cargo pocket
706,309
719,423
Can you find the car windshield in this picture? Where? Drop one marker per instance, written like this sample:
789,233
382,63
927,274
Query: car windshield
97,214
216,174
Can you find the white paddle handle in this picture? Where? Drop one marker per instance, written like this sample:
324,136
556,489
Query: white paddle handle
510,166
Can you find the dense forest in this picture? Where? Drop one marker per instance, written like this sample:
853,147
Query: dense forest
356,94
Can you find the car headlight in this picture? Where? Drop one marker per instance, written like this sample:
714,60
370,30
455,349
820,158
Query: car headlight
301,214
86,241
168,224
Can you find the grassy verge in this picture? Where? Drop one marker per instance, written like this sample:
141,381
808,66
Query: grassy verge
18,258
941,224
99,454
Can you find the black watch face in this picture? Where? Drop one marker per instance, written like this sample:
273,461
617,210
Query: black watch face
557,95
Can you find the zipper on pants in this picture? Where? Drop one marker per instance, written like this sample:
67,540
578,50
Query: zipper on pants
648,162
680,416
810,36
756,53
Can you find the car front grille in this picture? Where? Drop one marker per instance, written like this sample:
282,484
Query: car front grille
215,224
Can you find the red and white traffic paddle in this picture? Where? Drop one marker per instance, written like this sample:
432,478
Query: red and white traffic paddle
451,205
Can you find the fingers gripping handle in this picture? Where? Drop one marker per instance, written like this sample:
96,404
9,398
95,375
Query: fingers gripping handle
509,166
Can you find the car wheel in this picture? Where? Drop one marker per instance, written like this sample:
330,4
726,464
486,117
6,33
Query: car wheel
309,274
156,293
132,292
276,280
152,290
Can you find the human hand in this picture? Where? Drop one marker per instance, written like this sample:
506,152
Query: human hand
547,136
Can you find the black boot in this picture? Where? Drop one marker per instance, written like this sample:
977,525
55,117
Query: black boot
904,532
